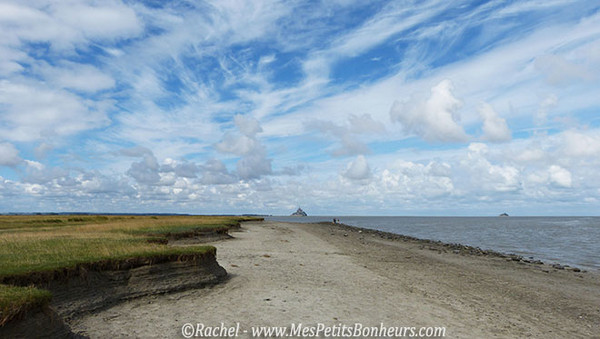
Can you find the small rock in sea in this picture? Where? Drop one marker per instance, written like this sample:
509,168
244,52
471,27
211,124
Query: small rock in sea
558,266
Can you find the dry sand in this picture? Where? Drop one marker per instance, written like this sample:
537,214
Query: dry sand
285,273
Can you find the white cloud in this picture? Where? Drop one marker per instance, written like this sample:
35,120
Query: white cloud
186,170
434,119
42,150
215,173
254,165
79,77
559,71
137,151
412,180
358,169
349,135
494,127
9,155
66,24
105,20
146,170
181,81
249,126
237,144
35,112
485,176
548,103
365,124
253,162
579,144
560,176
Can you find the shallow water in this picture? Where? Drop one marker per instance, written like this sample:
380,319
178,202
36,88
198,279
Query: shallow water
572,241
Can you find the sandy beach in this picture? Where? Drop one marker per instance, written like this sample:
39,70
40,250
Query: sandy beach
283,273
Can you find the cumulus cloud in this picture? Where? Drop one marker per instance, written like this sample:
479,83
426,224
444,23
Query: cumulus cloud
580,144
237,144
560,176
412,179
494,127
434,119
145,171
253,162
358,169
9,155
186,170
485,176
247,125
214,172
254,165
38,173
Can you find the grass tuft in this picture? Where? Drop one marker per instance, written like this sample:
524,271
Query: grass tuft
36,246
16,301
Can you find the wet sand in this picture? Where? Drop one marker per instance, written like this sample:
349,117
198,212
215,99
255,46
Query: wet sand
282,273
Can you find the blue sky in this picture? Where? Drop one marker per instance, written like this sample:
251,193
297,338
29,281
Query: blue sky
340,107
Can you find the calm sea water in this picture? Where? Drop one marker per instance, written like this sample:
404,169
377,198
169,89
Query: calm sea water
572,241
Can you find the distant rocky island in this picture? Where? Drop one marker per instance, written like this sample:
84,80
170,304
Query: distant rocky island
503,215
299,213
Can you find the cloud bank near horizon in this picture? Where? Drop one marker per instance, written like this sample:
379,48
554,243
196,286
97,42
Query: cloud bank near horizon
342,107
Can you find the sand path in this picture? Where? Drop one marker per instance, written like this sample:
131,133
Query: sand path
291,273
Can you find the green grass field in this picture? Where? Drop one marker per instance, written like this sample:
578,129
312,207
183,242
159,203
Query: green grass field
44,243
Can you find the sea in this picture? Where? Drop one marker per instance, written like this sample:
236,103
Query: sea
573,241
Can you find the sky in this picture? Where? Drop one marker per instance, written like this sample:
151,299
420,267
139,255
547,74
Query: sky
340,107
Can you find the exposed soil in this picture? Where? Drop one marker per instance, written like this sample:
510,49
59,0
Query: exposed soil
90,288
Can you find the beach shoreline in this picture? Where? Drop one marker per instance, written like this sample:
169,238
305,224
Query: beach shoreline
284,273
458,248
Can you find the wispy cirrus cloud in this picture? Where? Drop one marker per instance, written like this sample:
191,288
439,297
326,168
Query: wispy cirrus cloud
244,106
